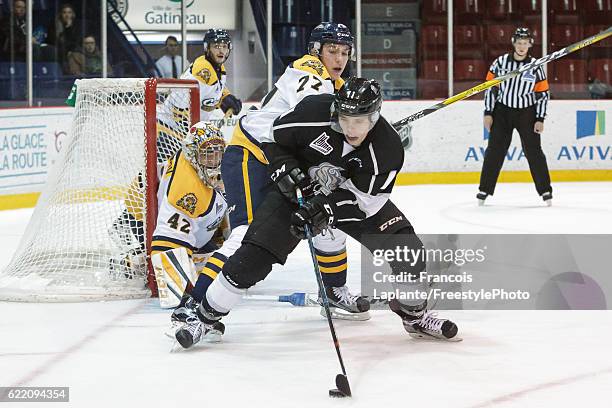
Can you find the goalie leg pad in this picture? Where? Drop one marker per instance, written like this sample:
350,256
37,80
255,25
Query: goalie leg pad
174,269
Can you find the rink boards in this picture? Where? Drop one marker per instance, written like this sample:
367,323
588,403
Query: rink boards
448,146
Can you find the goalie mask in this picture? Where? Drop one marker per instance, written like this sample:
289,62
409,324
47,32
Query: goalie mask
203,147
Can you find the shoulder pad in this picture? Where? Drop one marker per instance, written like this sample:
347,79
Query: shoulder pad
187,192
203,71
338,84
312,65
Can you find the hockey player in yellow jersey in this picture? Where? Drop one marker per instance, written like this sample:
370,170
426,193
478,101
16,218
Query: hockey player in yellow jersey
191,210
244,166
209,71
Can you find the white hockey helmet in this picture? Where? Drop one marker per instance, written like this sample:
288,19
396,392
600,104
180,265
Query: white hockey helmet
203,147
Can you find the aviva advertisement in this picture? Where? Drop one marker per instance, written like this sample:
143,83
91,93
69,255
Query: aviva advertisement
575,137
165,15
448,146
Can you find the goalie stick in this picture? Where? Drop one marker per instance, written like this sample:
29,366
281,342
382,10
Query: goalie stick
401,124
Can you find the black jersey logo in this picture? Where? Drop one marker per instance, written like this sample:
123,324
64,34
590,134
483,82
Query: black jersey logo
329,176
320,144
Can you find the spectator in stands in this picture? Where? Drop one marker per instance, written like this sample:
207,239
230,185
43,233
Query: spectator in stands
65,34
13,37
170,65
13,33
598,89
87,60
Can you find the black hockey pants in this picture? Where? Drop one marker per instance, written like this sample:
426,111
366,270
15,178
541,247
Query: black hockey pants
505,120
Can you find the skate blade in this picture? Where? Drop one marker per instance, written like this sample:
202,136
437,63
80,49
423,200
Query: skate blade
481,203
429,337
176,347
213,336
336,314
174,327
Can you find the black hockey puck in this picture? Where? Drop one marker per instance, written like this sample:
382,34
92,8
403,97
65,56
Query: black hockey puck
336,393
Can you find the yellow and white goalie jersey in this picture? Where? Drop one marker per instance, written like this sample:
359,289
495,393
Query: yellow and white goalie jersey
305,76
189,211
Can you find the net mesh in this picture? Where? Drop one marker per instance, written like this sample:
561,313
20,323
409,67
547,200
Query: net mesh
86,239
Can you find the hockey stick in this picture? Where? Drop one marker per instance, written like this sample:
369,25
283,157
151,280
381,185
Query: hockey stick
495,81
342,385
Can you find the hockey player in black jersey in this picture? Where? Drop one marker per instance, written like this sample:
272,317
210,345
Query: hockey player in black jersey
245,173
344,157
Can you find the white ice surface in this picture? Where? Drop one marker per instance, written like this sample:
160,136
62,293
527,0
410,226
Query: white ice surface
115,353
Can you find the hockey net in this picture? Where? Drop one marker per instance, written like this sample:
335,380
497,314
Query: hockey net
89,235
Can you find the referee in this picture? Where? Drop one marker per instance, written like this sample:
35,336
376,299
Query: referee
519,103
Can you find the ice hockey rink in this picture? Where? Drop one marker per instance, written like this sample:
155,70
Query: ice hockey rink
115,353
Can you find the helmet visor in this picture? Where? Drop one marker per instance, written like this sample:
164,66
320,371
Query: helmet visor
355,128
209,161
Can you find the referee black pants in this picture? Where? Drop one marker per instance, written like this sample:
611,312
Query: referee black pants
505,120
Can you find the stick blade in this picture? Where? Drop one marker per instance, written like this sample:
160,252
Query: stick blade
342,389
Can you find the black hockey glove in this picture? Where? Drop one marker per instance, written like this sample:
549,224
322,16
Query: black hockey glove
317,212
288,181
231,102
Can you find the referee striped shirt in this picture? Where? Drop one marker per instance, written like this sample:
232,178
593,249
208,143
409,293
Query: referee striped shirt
529,88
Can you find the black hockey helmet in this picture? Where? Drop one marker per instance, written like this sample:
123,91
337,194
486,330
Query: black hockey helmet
215,36
327,32
522,33
357,97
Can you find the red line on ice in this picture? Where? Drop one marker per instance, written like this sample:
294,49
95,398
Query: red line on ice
60,356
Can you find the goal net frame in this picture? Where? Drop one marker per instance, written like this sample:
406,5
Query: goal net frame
28,280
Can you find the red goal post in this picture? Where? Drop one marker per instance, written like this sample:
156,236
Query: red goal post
151,87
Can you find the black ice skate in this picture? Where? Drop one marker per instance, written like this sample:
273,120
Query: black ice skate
424,324
547,197
199,325
481,196
344,305
181,314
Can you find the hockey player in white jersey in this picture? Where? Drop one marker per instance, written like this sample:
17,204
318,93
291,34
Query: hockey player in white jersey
244,167
191,209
